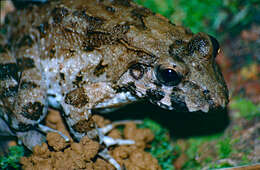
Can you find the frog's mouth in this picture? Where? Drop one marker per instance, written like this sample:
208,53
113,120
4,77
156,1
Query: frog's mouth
187,105
187,98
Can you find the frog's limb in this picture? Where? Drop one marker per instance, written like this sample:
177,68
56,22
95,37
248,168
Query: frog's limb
104,154
23,95
80,122
108,141
111,126
46,129
23,101
31,138
4,129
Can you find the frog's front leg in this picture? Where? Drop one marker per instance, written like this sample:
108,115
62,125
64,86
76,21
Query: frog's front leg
23,98
77,105
81,123
88,127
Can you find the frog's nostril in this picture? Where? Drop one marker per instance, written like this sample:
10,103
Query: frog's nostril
206,92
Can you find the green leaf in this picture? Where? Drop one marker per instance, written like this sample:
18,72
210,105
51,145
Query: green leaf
12,159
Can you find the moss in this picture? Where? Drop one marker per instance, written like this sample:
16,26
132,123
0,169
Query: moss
245,160
220,165
192,151
192,164
246,108
237,128
161,147
224,148
11,161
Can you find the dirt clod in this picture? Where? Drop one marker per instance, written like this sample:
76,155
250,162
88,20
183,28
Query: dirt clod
56,141
59,154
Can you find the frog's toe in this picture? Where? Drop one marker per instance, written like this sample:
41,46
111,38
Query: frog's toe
108,141
46,129
111,126
104,154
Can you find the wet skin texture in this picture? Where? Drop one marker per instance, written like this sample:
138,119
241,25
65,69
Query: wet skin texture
83,55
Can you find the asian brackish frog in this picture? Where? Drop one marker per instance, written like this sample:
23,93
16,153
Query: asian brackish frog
90,54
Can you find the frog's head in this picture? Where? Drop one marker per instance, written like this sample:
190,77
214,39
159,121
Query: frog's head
187,78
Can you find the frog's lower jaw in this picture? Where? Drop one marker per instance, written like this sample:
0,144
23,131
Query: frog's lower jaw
119,100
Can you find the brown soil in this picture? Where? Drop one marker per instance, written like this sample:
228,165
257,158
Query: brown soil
58,154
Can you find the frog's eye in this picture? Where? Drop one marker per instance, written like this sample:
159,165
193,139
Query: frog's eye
215,45
167,76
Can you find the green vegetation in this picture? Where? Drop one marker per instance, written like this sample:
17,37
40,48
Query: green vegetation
224,148
161,147
245,108
198,15
221,147
219,165
12,159
213,17
165,7
192,151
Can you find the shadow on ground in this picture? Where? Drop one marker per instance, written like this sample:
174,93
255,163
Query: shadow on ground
180,124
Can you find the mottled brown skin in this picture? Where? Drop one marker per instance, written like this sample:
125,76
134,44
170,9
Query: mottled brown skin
84,54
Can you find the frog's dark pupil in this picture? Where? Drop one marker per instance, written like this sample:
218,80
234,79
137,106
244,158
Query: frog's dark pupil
168,77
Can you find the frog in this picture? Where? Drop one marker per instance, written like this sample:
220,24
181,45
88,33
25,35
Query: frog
85,55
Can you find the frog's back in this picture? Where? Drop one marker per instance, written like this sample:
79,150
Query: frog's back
89,40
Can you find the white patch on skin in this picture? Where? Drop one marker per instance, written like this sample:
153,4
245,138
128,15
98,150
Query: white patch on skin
165,101
205,108
54,101
118,100
140,88
193,107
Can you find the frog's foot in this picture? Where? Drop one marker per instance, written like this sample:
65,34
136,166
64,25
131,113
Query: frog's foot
47,129
31,138
108,141
105,155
